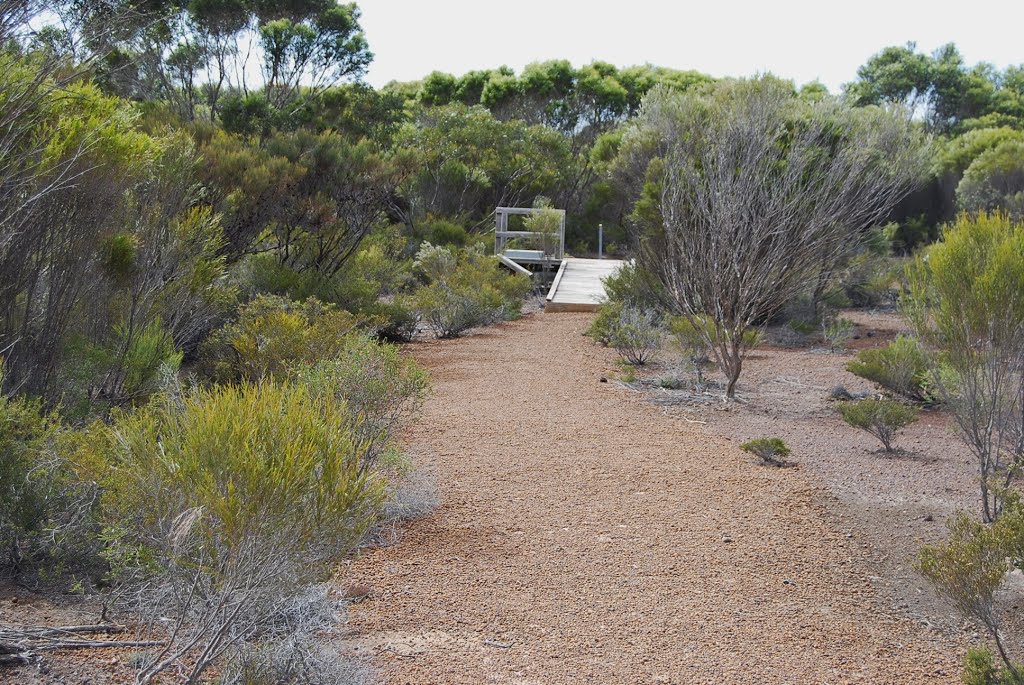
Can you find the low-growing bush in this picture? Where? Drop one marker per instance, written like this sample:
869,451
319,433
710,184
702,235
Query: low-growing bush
837,331
691,343
969,568
376,382
465,289
881,418
46,509
272,334
25,433
397,319
979,668
224,505
772,451
901,367
636,335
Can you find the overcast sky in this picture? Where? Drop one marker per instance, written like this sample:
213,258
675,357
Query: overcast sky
796,39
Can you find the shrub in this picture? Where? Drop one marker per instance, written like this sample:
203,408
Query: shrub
46,509
444,232
979,668
377,270
901,367
636,335
801,327
690,341
602,327
772,451
968,568
880,418
272,334
25,431
397,319
633,286
465,289
837,331
225,504
375,382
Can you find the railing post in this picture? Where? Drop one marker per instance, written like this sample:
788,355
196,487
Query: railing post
600,241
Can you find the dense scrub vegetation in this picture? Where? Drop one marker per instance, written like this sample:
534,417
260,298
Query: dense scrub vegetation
198,275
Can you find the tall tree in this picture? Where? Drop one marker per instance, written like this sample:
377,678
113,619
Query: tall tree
759,192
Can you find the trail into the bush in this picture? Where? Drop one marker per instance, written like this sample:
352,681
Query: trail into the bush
585,536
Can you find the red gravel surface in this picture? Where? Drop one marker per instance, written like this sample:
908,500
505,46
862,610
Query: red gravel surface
587,535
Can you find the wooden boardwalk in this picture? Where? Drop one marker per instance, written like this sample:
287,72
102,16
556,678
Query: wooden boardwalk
579,284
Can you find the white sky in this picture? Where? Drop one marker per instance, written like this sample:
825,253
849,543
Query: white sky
798,39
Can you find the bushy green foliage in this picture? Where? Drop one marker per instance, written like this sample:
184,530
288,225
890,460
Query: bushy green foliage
979,668
25,433
376,382
376,271
223,505
968,568
447,233
46,505
901,366
995,181
881,418
465,289
965,301
771,451
837,331
271,335
273,458
636,334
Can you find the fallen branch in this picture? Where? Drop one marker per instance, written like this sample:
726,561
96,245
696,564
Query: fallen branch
42,631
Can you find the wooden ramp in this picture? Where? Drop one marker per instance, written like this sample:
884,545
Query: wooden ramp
579,284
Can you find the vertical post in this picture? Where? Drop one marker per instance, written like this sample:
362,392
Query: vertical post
600,241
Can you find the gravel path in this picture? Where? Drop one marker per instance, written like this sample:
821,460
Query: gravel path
586,536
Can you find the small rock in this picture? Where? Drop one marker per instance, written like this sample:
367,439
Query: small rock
603,379
871,334
929,517
726,538
787,581
357,591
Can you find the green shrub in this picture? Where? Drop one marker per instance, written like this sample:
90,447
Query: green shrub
25,433
376,382
772,451
603,325
271,334
46,509
397,319
377,270
633,286
901,367
880,418
465,289
691,343
969,568
223,505
802,327
444,232
837,331
636,335
979,667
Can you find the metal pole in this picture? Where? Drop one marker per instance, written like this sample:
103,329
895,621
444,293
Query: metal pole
600,241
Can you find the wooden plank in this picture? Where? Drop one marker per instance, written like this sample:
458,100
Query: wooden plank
558,279
581,285
515,267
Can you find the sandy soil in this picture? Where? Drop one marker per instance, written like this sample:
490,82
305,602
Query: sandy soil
588,535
